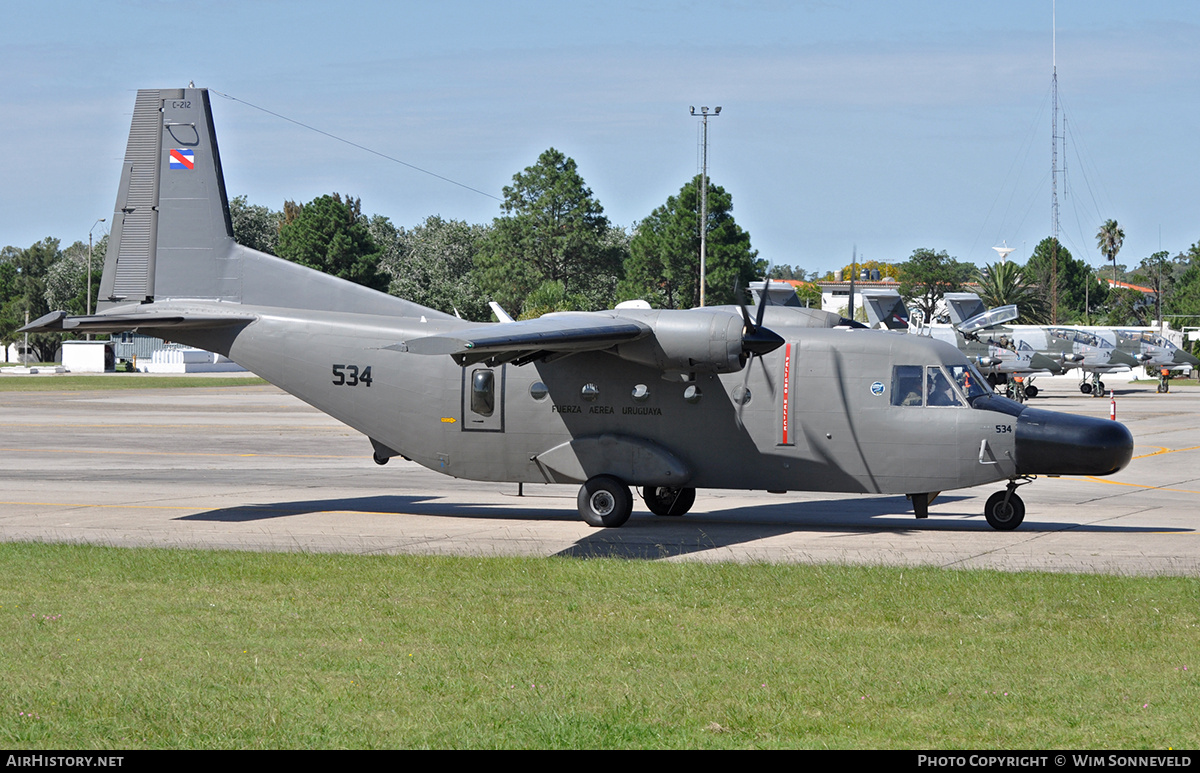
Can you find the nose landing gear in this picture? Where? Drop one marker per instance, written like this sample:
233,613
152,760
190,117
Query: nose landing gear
1005,510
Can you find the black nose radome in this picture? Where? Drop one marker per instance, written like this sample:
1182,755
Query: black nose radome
1050,443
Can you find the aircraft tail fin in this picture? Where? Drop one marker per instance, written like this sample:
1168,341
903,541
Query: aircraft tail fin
885,309
172,237
171,208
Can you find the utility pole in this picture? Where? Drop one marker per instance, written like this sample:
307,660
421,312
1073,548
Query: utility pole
704,196
89,290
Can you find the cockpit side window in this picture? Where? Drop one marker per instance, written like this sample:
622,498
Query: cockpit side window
938,389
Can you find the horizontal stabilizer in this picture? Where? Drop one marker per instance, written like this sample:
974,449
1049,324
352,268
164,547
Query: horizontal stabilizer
60,321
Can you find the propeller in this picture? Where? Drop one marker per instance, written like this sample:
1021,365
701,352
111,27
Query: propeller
756,341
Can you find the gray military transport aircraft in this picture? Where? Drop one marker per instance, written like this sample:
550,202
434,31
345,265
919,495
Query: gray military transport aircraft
667,400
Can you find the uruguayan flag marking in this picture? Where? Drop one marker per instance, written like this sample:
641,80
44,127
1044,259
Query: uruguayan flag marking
183,158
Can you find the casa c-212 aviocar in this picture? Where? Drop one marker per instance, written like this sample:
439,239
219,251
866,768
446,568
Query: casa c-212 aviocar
669,401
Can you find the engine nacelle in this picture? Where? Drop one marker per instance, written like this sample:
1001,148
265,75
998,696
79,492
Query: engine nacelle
680,344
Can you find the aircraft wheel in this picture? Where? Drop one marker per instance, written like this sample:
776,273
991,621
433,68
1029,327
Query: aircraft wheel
1031,391
668,501
1103,388
1004,517
605,501
1086,388
380,459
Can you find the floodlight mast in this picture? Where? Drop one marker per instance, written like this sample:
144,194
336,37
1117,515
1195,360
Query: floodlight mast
704,195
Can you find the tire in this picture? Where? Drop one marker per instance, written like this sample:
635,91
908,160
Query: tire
668,501
1031,391
605,501
1001,516
1086,388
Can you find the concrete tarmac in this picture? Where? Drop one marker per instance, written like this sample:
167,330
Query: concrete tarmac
252,468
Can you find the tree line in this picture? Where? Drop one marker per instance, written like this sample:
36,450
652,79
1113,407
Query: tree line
553,249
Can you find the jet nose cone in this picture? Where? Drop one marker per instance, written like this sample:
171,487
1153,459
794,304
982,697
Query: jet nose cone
1181,358
1050,443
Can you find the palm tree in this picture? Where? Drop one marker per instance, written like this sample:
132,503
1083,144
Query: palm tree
1003,283
1109,239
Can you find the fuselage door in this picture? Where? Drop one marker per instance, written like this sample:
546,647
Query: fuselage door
483,399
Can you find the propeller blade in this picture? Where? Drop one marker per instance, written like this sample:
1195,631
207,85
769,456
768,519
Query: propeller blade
767,376
762,300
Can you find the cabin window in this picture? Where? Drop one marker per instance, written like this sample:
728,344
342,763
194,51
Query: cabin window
692,394
483,392
589,392
641,393
906,385
538,390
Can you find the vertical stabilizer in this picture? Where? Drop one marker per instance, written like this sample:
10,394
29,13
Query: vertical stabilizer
172,237
963,306
171,227
885,309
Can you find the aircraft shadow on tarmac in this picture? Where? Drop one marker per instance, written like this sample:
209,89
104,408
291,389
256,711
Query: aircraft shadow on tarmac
646,536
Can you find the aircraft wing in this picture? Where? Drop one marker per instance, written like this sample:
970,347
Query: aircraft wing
1118,357
1041,362
60,321
526,340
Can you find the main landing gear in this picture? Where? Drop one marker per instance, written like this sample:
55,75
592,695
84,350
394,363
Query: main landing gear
668,501
606,501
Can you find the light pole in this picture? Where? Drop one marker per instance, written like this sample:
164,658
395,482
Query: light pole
89,269
704,196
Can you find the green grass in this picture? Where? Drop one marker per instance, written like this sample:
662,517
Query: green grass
120,648
68,383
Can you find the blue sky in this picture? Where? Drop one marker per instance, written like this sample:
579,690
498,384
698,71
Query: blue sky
876,126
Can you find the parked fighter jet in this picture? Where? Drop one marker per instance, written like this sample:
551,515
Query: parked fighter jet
1003,351
667,400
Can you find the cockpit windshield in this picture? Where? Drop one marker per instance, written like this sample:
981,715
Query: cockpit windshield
937,386
969,380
